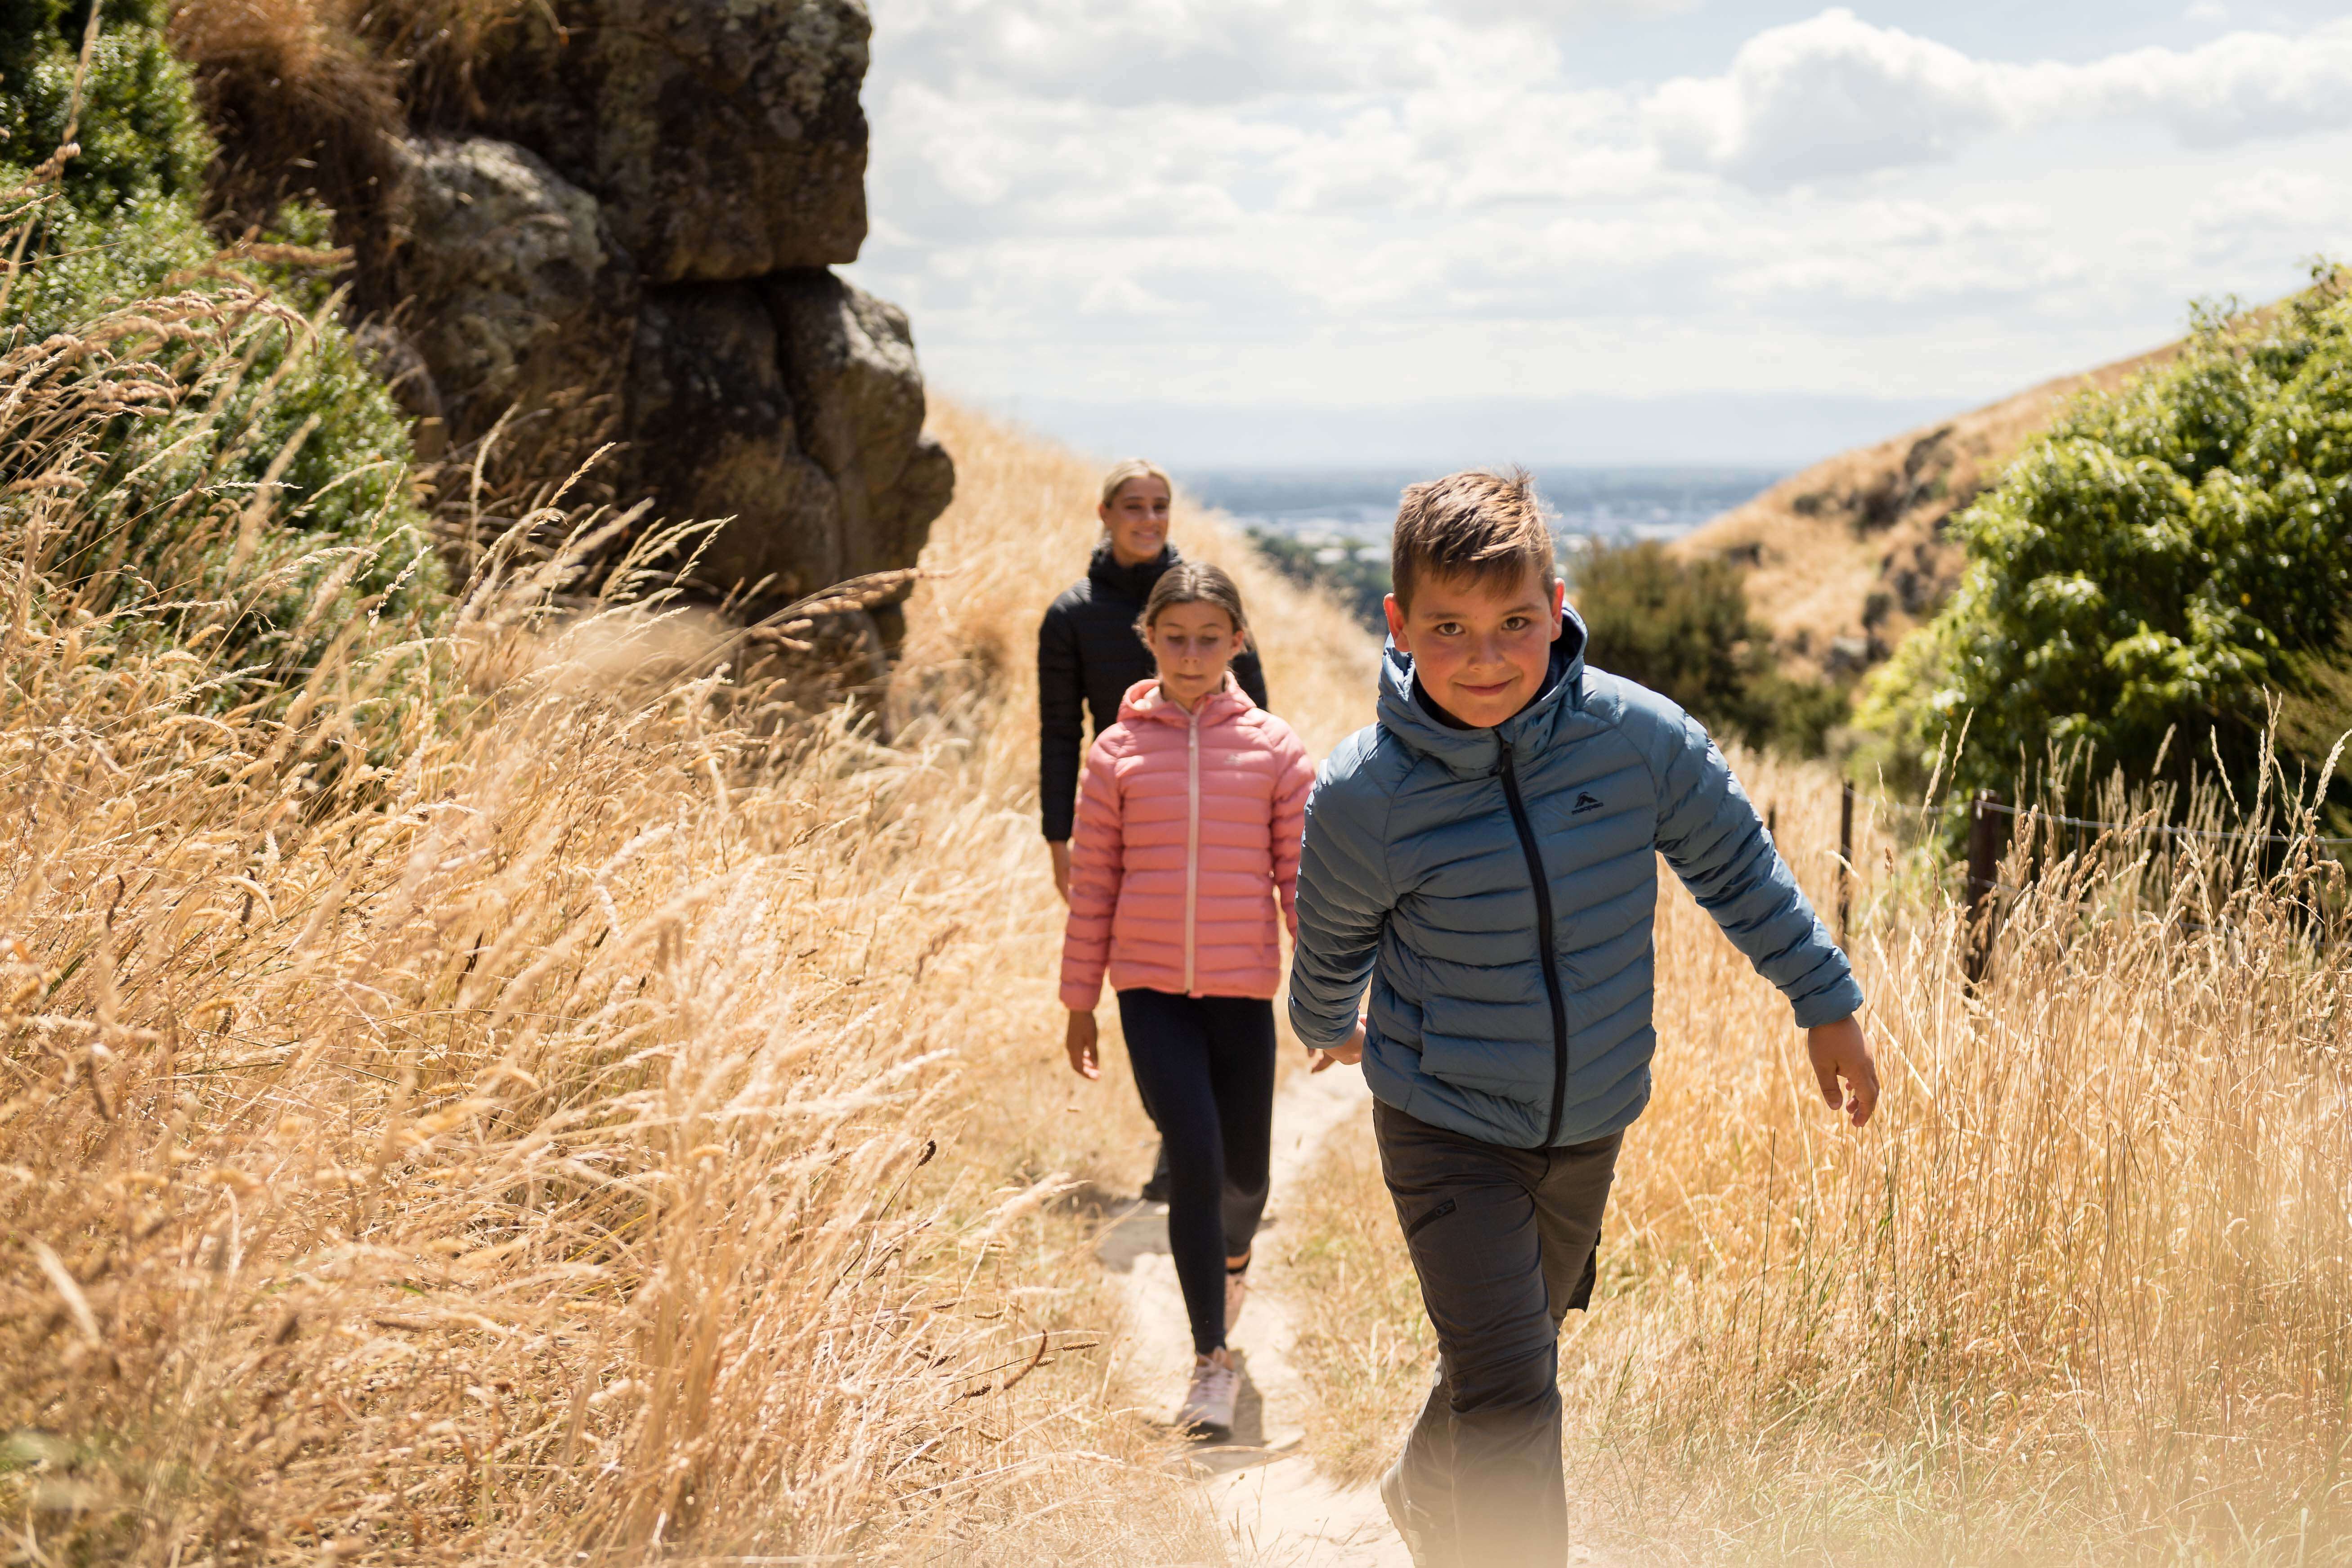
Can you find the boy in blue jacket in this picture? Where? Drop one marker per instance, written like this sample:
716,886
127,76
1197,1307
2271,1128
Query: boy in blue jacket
1486,857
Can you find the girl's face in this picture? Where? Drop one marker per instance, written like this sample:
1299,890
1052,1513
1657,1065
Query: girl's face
1137,518
1193,645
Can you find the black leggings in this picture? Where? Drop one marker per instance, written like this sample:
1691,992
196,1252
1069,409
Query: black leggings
1205,1065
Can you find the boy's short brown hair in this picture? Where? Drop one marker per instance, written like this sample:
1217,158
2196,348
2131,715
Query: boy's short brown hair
1477,525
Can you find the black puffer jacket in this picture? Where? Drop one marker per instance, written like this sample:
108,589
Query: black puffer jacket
1088,656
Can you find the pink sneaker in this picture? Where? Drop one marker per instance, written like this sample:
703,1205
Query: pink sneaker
1208,1407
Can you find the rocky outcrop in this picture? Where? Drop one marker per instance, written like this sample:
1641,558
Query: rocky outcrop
521,294
723,136
797,399
857,409
643,226
715,437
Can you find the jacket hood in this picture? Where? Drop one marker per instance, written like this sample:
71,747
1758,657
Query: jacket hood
1470,753
1134,582
1144,702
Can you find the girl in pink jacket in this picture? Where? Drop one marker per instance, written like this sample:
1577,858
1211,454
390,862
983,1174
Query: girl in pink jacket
1185,844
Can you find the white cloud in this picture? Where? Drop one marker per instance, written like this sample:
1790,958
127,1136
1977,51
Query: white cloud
1837,96
1352,200
2273,211
2236,88
1832,96
1198,52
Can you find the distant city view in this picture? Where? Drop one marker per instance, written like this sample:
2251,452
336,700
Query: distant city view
1330,526
1352,509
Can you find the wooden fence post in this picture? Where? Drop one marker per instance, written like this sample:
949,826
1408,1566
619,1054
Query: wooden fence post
1984,874
1845,860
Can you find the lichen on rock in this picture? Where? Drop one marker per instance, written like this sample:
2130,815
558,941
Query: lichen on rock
528,296
723,137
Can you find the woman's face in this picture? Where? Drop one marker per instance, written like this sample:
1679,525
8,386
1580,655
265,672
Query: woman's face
1137,518
1193,645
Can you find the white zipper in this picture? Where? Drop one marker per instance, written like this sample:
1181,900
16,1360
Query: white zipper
1192,839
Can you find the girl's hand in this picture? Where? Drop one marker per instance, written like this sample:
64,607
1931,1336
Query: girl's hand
1346,1053
1080,1043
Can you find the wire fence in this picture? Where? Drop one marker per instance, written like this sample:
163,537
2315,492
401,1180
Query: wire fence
1990,821
2166,830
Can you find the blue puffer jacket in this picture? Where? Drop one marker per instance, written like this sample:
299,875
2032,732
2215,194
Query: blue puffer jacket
1507,1004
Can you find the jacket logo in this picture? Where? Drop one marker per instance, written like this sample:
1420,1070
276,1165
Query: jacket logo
1585,802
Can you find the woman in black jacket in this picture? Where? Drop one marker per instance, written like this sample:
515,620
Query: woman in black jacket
1088,654
1087,650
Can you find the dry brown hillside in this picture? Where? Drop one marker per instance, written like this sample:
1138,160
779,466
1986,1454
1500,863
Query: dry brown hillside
1850,554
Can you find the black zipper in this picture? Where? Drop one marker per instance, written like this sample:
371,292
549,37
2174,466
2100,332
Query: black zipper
1543,941
1431,1217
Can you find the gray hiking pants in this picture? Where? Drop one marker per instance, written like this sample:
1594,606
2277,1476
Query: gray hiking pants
1504,1242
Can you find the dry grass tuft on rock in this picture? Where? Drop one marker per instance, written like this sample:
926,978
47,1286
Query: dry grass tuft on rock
301,107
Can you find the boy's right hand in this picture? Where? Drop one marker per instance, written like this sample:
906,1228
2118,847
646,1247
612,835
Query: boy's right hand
1346,1053
1081,1043
1843,1068
1060,850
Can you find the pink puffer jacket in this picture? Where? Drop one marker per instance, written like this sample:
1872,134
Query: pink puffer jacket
1187,830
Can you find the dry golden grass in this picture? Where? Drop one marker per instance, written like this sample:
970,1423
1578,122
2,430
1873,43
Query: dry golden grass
2081,1293
483,1105
545,1123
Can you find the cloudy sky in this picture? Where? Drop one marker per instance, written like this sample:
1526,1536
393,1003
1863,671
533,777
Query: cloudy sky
1236,230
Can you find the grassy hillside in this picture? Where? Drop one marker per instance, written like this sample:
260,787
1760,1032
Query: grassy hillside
477,1101
1848,555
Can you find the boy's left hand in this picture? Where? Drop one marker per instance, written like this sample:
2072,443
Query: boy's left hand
1840,1052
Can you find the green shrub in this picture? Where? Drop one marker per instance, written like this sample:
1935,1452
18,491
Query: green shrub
266,388
2149,573
1679,628
1683,628
139,138
1360,584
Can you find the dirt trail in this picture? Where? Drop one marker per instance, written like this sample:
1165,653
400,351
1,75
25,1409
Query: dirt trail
1277,1513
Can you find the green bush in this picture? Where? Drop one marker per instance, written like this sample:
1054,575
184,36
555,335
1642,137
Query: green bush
1679,628
2150,574
1683,628
141,141
1361,584
263,375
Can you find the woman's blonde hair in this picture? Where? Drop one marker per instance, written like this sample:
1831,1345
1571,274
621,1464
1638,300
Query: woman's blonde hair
1134,468
1193,582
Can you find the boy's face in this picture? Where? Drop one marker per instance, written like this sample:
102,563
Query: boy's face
1481,650
1137,518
